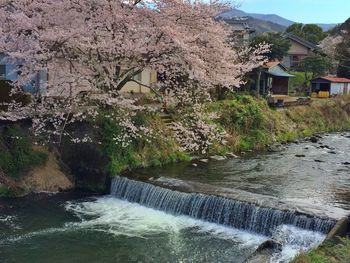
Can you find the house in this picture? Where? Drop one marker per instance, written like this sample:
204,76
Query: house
59,71
56,75
240,29
274,79
329,86
147,78
8,74
299,49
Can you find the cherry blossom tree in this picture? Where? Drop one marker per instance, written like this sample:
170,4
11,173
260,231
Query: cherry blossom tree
97,46
329,46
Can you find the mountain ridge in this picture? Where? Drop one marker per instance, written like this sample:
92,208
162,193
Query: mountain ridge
268,17
260,26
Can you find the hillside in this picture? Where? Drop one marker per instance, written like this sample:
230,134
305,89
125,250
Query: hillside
267,17
344,26
260,26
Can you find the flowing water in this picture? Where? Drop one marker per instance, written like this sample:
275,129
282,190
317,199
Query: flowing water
141,222
106,229
313,178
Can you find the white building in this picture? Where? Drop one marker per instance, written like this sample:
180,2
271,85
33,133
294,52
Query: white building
332,85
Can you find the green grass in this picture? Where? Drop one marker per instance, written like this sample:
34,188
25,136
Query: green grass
298,83
336,251
252,125
141,152
17,154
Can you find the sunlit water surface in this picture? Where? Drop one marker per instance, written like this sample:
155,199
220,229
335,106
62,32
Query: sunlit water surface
105,229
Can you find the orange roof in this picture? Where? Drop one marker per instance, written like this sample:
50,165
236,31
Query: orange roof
271,64
336,79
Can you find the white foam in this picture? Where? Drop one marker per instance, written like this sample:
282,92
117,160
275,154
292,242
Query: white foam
124,218
10,221
294,241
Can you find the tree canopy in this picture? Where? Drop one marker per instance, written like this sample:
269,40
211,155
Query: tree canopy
310,32
278,45
337,47
343,56
99,46
316,64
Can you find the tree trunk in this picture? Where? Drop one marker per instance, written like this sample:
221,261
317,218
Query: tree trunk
257,82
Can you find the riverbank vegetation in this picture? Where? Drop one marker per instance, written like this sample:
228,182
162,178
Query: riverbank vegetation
336,251
16,158
244,123
239,124
252,125
17,153
155,147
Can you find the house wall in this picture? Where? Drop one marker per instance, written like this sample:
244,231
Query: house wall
296,53
61,73
337,88
280,85
148,78
298,49
11,74
60,69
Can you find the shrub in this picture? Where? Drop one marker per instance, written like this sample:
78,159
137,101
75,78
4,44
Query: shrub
17,154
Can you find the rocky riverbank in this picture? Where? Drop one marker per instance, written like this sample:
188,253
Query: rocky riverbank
249,124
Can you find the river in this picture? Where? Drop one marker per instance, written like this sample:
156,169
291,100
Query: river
126,227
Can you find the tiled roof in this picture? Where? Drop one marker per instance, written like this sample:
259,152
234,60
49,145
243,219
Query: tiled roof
271,64
336,79
275,68
301,41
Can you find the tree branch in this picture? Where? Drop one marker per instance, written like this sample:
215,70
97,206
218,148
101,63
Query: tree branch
146,86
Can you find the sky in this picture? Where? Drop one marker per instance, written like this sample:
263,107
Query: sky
304,11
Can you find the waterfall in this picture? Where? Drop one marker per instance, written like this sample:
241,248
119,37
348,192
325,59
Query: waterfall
214,209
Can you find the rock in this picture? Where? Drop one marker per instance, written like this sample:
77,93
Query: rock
313,139
325,147
194,165
232,155
217,158
340,229
319,161
300,155
48,177
277,147
270,244
332,152
346,163
87,162
204,160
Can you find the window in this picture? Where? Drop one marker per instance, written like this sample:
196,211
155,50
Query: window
294,61
137,77
2,71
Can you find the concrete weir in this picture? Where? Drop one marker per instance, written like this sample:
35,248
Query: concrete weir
202,202
214,208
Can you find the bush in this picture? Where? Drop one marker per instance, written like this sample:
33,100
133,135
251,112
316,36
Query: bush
336,251
143,151
17,154
299,85
247,118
